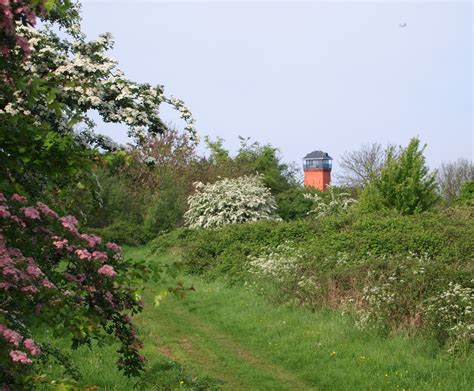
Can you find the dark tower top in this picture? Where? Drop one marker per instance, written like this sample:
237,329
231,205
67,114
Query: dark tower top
317,160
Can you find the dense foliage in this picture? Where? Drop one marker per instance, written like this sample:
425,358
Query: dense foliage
389,267
53,276
50,97
334,203
404,183
230,201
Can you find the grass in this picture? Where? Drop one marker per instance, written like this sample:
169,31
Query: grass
232,338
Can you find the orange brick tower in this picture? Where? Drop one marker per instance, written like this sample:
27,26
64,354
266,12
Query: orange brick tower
317,167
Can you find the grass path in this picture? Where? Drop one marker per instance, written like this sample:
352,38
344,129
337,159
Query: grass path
184,336
234,335
231,338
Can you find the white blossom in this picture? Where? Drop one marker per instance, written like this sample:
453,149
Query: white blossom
230,201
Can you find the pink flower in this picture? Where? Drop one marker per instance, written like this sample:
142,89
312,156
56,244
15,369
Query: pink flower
19,221
19,356
29,289
99,256
46,210
70,222
92,240
18,198
83,254
114,247
35,271
107,270
31,213
69,219
11,336
2,197
47,284
4,211
60,243
32,347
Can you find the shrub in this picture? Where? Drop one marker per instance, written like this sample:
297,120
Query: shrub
466,195
125,233
52,276
404,183
230,201
284,267
335,203
292,203
450,316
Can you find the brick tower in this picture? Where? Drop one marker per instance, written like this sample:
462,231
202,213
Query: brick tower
317,170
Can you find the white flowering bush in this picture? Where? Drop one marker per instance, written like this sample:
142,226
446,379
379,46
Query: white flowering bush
450,315
335,203
230,201
393,298
284,265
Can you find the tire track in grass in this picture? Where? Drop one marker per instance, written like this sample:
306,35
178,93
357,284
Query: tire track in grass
235,348
183,336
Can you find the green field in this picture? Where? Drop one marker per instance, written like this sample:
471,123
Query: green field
221,337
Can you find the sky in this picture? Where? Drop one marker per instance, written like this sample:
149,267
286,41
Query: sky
304,76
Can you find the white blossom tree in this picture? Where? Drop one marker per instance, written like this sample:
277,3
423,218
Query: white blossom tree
230,201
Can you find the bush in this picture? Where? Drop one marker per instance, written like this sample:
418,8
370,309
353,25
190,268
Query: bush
292,203
52,276
449,314
125,233
334,203
230,201
404,183
466,195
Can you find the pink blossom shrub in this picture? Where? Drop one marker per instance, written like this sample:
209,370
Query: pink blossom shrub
53,275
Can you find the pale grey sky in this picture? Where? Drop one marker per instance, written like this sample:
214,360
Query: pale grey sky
304,75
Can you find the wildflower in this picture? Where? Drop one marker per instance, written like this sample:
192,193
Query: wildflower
107,270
